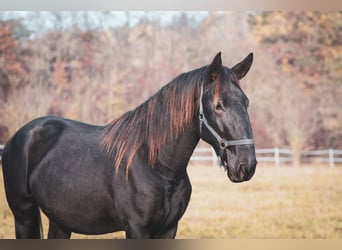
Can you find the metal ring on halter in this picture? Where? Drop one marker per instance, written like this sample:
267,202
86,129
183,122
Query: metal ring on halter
223,144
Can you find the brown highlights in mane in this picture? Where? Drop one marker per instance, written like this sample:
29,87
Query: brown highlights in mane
225,76
162,117
217,89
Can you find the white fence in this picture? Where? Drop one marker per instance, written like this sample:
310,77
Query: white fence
275,155
1,148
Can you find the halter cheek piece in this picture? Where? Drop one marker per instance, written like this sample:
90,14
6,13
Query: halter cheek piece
224,144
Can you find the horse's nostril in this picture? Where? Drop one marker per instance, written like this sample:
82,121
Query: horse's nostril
241,169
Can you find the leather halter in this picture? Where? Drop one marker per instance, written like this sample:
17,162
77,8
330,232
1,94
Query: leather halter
224,144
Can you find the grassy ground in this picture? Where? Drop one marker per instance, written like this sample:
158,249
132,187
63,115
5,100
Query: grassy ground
283,202
277,203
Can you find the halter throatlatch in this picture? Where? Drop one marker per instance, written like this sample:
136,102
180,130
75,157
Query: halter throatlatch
224,144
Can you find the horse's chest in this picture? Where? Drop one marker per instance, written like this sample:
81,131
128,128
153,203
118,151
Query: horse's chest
175,203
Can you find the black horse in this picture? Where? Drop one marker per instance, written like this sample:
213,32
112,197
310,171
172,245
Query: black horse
131,174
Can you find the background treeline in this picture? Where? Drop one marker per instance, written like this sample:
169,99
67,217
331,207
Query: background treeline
94,73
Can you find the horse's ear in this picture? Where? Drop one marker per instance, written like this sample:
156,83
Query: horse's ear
214,68
243,67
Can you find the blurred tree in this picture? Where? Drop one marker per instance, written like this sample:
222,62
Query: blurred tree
82,71
13,72
307,48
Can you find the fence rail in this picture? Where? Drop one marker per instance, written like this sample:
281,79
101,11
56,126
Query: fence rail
275,155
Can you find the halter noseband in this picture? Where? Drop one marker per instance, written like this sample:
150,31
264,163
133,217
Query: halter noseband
222,142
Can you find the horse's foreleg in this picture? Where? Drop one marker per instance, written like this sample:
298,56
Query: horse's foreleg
56,232
168,233
140,232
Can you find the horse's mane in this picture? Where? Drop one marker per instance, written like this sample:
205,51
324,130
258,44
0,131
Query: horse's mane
162,117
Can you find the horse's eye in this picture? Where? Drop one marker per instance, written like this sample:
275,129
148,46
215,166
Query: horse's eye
218,106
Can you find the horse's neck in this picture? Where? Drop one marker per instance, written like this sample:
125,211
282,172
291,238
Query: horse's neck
174,156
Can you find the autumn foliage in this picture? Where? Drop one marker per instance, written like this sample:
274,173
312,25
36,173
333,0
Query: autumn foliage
95,75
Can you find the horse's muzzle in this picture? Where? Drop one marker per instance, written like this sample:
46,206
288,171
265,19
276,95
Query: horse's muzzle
244,171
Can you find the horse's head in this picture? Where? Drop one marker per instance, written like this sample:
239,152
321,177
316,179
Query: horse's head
224,121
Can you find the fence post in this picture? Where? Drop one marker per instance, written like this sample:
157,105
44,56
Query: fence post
1,148
331,158
276,157
213,156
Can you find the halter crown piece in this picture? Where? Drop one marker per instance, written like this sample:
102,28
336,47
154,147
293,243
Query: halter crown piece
224,144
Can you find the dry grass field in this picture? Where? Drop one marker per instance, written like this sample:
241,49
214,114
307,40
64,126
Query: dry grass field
285,202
